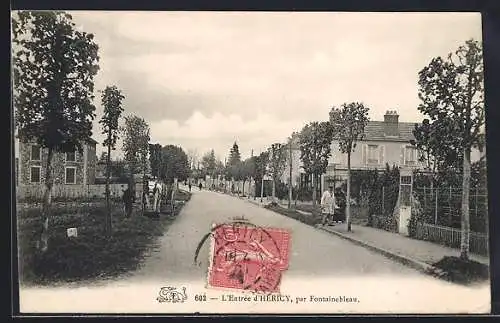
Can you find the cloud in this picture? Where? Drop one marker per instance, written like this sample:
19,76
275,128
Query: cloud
194,71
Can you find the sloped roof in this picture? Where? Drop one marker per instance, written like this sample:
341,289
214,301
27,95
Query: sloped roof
374,130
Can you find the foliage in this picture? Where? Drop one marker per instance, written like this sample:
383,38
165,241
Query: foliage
348,125
234,155
155,159
54,70
441,151
175,164
315,147
277,160
452,95
54,66
209,163
136,143
112,102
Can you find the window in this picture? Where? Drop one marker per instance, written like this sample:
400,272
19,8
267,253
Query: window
410,155
71,157
373,154
35,174
36,152
70,175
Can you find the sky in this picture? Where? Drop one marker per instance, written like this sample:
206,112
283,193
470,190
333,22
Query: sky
203,80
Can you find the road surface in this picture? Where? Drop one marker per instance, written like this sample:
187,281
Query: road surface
321,265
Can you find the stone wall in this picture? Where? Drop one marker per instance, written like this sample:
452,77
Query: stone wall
59,165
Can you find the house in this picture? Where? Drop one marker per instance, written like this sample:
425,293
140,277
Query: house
385,142
68,168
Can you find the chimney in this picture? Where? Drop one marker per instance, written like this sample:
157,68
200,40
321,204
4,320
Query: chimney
391,127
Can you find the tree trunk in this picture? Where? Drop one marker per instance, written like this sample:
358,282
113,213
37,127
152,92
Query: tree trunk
465,237
348,197
314,189
243,188
274,190
47,200
107,226
261,188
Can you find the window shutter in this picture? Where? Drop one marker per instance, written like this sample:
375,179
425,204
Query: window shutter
402,157
365,154
381,159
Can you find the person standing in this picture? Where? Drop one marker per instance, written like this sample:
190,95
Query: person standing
200,186
327,205
128,201
189,186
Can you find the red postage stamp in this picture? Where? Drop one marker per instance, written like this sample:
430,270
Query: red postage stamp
247,257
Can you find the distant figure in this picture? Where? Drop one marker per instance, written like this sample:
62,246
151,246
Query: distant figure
327,205
190,186
200,186
128,200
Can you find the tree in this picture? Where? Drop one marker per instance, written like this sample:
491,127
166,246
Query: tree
348,126
234,155
155,159
53,72
261,166
208,163
314,143
136,148
440,149
175,164
452,96
277,163
112,102
247,171
233,164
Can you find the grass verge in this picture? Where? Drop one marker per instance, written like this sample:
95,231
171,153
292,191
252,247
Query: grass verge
310,219
91,255
462,271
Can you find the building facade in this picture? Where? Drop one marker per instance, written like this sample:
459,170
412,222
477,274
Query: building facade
385,143
68,168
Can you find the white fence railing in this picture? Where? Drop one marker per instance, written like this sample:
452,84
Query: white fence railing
69,191
478,242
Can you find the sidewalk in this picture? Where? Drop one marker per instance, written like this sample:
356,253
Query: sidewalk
418,254
399,245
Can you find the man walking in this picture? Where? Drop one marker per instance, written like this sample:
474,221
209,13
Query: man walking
190,186
327,205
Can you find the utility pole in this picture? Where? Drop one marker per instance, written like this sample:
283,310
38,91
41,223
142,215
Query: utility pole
290,177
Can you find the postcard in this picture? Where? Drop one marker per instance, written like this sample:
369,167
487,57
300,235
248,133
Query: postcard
182,162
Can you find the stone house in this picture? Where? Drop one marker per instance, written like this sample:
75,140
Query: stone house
72,168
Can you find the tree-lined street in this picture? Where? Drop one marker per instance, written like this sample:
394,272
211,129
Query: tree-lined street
320,264
170,185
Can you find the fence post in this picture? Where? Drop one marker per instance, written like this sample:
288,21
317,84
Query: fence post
436,208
